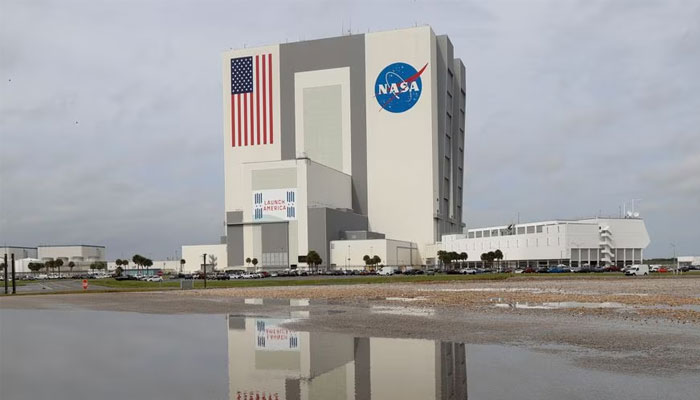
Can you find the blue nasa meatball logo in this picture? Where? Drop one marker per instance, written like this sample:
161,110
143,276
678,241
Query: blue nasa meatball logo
398,87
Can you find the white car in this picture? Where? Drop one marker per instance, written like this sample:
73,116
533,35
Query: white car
519,271
249,275
155,279
467,271
386,271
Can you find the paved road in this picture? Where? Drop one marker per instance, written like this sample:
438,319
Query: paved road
54,286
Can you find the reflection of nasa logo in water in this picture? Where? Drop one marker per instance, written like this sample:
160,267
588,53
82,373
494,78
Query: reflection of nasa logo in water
398,87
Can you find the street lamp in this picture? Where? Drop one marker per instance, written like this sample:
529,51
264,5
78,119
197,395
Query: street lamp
676,257
204,265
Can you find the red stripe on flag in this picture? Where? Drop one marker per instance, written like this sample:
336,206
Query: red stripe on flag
238,117
233,123
252,121
257,97
245,119
264,100
269,71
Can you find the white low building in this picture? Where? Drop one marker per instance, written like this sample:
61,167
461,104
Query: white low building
194,258
594,241
349,254
20,252
686,261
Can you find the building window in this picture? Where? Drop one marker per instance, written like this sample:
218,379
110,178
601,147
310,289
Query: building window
471,235
487,234
530,229
539,228
494,232
478,234
521,230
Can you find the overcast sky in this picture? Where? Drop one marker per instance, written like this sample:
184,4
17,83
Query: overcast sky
111,114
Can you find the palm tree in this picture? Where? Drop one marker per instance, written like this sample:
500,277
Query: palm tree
255,262
138,260
71,265
368,260
463,257
59,263
34,267
376,260
48,265
247,261
499,256
313,259
443,257
147,262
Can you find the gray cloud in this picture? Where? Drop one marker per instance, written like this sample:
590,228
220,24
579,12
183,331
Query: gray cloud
110,112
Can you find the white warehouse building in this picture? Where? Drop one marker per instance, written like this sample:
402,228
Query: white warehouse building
594,242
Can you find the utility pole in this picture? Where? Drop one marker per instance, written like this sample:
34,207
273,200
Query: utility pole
205,270
5,273
14,284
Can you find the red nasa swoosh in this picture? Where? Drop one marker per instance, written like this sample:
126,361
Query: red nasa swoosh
410,79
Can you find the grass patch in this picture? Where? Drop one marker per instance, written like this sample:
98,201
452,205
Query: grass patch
9,284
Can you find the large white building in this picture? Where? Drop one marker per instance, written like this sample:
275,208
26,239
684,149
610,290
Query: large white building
594,241
354,133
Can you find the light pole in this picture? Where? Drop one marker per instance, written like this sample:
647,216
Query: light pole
675,257
204,265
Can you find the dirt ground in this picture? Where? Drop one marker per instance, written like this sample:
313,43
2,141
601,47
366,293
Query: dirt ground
630,325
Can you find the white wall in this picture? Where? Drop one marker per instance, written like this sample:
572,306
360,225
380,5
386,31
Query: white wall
555,241
193,256
402,147
72,253
392,252
19,252
236,199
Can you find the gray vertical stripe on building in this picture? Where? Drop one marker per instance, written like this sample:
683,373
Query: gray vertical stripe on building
344,51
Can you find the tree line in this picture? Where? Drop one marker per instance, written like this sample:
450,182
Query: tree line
447,258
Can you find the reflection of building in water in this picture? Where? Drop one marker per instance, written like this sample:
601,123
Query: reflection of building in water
268,362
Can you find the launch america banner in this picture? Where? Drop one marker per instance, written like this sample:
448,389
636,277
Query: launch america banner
274,204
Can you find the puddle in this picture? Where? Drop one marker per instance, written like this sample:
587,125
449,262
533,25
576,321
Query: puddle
407,299
299,302
409,311
558,305
500,303
105,355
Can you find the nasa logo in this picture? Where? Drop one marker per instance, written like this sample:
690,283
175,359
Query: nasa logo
398,87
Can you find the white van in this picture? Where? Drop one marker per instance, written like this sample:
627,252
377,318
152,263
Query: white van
638,270
386,271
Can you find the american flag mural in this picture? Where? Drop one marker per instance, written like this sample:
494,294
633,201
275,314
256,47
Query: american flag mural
251,101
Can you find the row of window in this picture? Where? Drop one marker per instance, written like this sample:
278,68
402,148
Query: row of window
512,243
509,231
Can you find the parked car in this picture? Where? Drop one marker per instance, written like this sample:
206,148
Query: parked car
430,271
529,270
386,271
125,277
155,278
557,270
519,271
542,270
414,271
467,271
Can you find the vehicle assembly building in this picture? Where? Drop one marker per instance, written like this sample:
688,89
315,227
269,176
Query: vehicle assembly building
327,138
